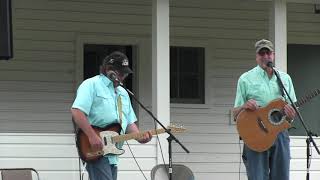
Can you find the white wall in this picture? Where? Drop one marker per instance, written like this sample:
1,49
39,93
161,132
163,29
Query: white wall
55,156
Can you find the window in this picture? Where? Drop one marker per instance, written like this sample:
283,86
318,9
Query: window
187,75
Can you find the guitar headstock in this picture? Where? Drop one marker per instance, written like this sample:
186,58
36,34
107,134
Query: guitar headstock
313,93
176,128
308,97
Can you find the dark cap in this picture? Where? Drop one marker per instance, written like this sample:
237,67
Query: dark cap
264,43
119,61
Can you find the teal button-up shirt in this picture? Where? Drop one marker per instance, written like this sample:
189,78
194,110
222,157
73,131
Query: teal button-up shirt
255,84
97,98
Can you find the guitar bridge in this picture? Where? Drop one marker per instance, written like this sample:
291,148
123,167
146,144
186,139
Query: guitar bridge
94,154
261,125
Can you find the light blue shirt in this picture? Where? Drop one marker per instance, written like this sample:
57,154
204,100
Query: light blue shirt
256,84
97,98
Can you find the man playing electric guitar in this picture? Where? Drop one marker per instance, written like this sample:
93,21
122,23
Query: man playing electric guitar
256,88
100,101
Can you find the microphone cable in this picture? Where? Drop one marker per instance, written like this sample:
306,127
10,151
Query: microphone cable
133,156
158,141
240,155
113,77
136,161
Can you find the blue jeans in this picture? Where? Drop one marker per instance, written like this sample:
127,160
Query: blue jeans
273,164
102,170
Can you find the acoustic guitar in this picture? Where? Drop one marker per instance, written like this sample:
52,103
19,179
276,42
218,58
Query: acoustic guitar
111,139
259,129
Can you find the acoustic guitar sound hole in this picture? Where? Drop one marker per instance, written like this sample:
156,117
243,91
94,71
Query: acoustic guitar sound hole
276,117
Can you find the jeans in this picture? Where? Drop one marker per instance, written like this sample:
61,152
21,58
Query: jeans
102,170
273,164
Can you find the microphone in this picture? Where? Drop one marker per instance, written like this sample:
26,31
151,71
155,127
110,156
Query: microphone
270,64
113,77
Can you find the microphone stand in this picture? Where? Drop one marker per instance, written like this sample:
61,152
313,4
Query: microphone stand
308,131
171,136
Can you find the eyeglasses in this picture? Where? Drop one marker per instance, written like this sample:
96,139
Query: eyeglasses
264,52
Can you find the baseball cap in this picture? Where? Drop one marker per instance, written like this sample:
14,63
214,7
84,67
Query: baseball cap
119,61
264,43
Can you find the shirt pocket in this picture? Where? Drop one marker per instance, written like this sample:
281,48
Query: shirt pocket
104,102
103,96
256,92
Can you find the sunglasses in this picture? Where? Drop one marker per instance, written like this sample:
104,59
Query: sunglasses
264,52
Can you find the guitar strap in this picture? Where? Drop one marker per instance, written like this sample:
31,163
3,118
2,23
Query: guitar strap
119,103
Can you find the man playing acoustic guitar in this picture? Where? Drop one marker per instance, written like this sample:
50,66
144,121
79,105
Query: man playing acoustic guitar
256,88
100,101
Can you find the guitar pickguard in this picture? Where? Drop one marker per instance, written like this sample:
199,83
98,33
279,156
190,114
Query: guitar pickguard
109,146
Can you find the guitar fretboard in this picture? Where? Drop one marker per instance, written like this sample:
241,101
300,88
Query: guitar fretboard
126,137
307,98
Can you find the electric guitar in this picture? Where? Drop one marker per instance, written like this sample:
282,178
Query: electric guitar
259,129
111,138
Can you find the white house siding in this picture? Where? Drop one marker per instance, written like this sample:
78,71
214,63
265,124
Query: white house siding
54,156
38,85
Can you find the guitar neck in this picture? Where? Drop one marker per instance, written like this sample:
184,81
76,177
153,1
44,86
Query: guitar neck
126,137
307,98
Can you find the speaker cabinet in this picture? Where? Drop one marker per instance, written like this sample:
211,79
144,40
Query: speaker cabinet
6,49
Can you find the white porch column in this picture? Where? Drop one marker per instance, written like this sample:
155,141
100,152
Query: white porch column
278,32
161,70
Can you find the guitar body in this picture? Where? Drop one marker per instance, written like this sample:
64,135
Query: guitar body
84,148
259,129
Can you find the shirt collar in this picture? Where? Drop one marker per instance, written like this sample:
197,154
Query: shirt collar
105,80
262,72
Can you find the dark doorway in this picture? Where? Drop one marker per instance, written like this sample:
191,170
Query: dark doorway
303,67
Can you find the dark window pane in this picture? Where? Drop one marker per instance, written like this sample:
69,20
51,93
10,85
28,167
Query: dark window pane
187,74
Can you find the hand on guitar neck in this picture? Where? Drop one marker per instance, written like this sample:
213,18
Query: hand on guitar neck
289,111
145,136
